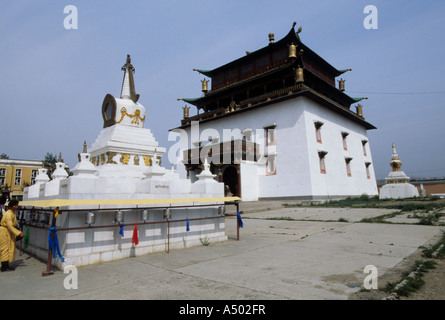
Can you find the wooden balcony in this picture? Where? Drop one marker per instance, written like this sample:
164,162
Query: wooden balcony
233,106
227,152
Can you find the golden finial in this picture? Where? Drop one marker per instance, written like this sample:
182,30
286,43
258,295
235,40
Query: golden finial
204,85
395,163
60,157
299,75
359,108
84,146
186,111
341,85
292,51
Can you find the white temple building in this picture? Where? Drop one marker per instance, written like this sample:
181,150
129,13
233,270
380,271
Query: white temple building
117,185
276,127
397,186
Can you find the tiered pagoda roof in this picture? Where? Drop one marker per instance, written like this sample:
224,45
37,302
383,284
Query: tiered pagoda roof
279,71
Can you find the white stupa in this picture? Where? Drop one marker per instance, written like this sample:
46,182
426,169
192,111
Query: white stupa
397,185
124,140
122,171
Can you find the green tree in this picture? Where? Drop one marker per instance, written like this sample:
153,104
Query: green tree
4,156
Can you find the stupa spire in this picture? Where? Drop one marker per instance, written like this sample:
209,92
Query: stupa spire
128,90
395,163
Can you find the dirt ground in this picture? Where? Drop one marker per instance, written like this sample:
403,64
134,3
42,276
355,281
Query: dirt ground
433,289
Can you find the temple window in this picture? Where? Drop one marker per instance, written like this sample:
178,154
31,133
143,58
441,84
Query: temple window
318,125
343,137
321,156
368,174
271,137
271,166
348,166
364,142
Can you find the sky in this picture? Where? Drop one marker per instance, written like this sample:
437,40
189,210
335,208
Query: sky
53,79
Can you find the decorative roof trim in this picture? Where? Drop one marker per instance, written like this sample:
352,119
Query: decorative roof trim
291,36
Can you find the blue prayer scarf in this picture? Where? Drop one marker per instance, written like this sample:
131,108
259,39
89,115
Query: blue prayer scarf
54,244
240,221
121,230
188,224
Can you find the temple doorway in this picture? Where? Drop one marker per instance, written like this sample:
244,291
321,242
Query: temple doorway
231,179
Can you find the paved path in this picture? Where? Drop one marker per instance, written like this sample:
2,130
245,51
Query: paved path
283,253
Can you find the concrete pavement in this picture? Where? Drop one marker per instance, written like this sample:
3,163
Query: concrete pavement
283,253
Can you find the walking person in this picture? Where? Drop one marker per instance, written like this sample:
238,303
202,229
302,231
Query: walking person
9,234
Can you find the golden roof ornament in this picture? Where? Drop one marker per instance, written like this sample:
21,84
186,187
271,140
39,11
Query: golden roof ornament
186,111
341,85
205,85
298,31
299,75
271,38
292,52
359,109
395,163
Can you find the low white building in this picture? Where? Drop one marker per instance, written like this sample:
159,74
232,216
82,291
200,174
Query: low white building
276,127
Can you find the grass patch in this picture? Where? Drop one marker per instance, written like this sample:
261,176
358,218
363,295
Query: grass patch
205,242
429,219
382,218
428,210
412,284
281,218
364,201
413,281
405,205
438,249
291,205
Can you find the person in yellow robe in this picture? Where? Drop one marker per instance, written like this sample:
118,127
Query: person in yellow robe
9,234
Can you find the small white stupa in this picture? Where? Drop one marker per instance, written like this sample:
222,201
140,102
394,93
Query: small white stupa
397,185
